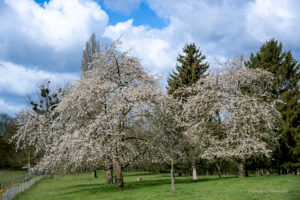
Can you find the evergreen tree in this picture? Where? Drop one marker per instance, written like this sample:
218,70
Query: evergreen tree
92,46
190,69
285,87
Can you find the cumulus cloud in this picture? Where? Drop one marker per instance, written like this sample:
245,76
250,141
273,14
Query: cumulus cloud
19,80
279,19
43,42
146,43
51,36
221,29
190,21
59,24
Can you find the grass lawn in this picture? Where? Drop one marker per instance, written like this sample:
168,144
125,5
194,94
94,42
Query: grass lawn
9,177
157,186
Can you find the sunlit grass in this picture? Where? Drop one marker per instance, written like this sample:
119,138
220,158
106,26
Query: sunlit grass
157,186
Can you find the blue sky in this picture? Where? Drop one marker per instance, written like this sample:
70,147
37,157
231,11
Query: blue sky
44,39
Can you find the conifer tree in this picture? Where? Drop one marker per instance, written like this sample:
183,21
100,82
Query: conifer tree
190,69
285,87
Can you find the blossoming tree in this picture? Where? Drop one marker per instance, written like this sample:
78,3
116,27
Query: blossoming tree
169,141
102,119
229,117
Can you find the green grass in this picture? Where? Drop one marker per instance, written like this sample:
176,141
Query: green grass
157,186
9,177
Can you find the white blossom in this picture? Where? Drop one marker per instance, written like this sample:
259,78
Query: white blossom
229,117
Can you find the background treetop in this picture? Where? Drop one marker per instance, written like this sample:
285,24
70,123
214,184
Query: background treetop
189,69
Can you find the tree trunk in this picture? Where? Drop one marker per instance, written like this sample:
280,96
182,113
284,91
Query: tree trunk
28,158
172,176
295,170
242,172
195,177
267,172
261,171
94,174
109,176
219,170
256,172
118,175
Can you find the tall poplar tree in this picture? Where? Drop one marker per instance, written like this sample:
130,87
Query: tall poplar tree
285,87
190,68
92,46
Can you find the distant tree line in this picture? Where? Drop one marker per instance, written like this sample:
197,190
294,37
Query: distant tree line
9,158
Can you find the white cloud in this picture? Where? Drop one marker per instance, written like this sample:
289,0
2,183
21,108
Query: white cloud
51,37
60,23
18,80
193,21
48,38
147,44
221,29
280,19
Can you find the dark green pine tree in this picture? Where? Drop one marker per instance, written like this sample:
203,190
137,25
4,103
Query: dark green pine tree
190,69
285,87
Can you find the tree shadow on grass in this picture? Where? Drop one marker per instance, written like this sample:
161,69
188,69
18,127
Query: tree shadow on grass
101,187
142,174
